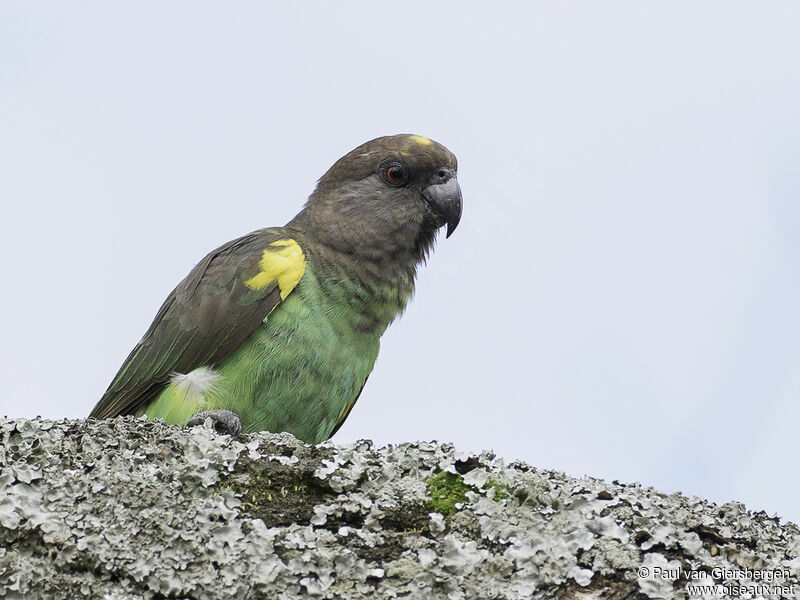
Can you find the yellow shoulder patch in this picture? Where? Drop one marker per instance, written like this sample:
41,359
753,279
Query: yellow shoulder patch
283,261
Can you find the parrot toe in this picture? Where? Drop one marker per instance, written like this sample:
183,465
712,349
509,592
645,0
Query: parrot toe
223,421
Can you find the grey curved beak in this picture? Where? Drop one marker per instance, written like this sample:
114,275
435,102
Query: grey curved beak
445,201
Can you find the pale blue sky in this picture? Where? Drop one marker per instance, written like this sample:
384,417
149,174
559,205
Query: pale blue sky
620,299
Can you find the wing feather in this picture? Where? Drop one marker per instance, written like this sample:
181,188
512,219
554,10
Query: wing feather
208,315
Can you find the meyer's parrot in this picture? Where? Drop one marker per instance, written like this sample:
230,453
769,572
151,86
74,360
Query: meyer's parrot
278,330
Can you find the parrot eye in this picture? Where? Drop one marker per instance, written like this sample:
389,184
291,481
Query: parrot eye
395,173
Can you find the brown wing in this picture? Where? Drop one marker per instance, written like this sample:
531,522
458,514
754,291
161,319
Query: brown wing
208,315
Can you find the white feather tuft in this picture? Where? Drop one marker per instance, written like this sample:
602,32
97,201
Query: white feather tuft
198,381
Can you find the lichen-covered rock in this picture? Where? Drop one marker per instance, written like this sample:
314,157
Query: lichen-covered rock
129,509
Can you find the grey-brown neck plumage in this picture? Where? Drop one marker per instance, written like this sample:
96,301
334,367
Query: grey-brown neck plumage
370,265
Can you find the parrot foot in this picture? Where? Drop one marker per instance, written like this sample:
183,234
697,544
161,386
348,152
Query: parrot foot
223,421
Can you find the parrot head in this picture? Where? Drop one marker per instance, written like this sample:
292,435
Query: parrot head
387,196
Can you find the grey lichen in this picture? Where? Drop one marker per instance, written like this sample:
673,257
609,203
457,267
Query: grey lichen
131,509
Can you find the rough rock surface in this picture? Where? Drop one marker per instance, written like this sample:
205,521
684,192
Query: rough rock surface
128,508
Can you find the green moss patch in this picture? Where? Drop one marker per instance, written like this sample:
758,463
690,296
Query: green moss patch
446,490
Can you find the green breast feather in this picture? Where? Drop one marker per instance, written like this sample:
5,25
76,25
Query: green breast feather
299,371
